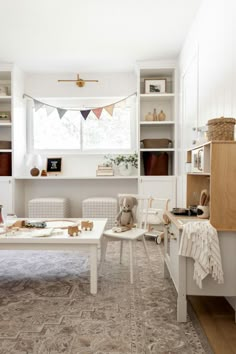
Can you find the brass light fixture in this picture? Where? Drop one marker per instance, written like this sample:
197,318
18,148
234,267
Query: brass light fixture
79,82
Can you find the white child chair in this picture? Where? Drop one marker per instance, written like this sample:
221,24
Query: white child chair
138,232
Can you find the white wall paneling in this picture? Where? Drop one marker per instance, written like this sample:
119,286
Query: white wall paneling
76,190
211,75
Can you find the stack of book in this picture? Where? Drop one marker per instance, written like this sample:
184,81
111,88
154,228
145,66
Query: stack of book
104,171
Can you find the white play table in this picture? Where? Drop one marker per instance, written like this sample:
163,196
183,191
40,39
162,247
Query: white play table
87,240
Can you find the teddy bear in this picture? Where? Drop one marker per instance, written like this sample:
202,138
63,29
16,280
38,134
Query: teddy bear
126,215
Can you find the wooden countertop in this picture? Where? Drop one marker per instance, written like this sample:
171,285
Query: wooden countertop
177,219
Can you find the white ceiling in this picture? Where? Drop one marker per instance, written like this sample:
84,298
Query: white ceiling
92,35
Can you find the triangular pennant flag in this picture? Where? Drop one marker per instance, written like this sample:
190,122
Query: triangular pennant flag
121,104
37,105
110,109
97,112
85,113
61,112
49,109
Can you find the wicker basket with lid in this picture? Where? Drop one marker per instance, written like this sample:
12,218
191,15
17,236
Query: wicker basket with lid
221,129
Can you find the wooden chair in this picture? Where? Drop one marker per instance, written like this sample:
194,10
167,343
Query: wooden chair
155,221
132,235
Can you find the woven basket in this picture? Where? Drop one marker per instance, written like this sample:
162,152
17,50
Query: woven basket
221,129
156,143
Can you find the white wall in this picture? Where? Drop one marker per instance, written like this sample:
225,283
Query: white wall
211,42
43,86
110,86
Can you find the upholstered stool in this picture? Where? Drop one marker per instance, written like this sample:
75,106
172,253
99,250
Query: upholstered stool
100,208
48,208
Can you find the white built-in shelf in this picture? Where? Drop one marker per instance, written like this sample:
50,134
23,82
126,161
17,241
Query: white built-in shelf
7,124
199,173
74,178
164,122
5,150
153,149
153,96
5,99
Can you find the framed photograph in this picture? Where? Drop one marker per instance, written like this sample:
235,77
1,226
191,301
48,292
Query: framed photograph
54,165
155,85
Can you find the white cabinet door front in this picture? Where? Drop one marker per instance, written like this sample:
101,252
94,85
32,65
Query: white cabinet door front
159,187
6,193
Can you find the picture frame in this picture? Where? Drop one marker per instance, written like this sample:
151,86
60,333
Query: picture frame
155,85
54,165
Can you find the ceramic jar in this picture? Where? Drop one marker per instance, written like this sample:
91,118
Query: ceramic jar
161,115
149,116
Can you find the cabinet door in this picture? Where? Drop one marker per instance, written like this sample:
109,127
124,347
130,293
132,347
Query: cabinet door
6,195
160,187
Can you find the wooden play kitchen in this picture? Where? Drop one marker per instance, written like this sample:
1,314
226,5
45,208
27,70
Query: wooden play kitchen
217,175
213,186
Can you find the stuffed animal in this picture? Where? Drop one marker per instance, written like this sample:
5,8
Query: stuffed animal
126,214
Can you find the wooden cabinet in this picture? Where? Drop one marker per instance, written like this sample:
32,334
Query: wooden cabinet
217,174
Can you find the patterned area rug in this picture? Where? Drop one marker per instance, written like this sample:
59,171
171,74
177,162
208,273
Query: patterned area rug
46,307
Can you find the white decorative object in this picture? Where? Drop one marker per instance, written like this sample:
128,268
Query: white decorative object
125,169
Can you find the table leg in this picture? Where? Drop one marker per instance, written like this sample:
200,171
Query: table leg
93,269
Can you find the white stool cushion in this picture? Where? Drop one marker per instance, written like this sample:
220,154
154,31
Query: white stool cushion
101,208
48,208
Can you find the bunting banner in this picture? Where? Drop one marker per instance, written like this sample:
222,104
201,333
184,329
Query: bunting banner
84,112
110,109
37,105
61,112
97,112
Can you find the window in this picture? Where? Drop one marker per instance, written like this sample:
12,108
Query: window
73,133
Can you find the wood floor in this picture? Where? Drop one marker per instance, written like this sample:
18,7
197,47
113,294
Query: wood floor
217,318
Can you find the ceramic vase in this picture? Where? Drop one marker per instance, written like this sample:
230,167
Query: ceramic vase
155,114
161,115
125,169
149,116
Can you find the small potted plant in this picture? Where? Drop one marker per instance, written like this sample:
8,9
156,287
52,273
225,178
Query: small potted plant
125,163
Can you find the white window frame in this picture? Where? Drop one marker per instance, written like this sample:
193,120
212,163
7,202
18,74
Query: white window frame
30,148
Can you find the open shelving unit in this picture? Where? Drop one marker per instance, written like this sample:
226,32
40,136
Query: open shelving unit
160,182
5,124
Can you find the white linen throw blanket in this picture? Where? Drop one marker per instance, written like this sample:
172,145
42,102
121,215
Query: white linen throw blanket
200,241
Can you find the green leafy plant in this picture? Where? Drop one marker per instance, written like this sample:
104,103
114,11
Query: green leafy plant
123,159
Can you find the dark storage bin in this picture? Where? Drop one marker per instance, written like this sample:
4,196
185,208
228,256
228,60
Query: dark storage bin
5,164
155,163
